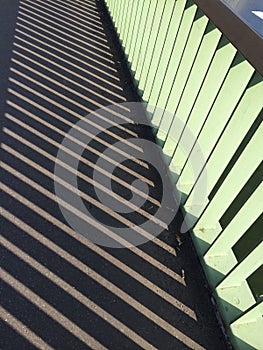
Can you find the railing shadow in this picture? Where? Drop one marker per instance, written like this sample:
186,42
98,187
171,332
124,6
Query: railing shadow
60,290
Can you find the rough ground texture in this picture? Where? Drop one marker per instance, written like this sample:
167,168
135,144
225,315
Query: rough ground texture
61,60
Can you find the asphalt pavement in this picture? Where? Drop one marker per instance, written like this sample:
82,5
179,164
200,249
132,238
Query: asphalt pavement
61,60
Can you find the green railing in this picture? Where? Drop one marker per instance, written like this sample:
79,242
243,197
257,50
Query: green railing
182,63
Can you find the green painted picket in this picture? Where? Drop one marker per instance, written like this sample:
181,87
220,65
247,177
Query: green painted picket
182,63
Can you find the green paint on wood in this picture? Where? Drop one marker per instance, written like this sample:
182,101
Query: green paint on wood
183,64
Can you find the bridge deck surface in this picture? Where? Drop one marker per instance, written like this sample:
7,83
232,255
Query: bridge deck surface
59,290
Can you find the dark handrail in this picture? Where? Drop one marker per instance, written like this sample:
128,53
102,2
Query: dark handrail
239,33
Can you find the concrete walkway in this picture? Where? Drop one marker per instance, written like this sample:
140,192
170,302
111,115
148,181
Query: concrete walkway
59,290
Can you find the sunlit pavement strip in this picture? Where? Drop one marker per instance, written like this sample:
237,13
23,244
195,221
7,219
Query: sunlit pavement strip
60,290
